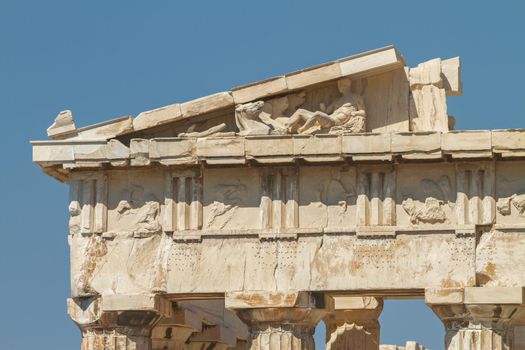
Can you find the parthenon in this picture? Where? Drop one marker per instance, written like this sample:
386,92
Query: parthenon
242,219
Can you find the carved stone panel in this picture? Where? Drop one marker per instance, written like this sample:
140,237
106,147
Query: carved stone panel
510,191
327,197
135,203
426,195
231,199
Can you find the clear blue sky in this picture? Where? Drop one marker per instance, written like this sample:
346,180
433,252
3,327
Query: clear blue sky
104,59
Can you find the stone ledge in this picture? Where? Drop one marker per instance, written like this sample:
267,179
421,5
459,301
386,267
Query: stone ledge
281,149
264,299
475,295
494,295
286,234
336,301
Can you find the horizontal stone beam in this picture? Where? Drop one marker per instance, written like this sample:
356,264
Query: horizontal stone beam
475,295
282,149
264,299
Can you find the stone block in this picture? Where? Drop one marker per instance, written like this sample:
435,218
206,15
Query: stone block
162,148
269,146
207,104
63,126
451,74
426,73
115,150
139,152
260,89
375,231
316,145
366,143
420,142
106,130
90,151
49,151
158,116
467,144
444,296
221,147
313,75
143,302
264,299
350,302
494,295
379,60
466,141
503,140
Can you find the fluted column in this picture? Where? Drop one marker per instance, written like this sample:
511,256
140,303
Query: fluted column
352,322
476,327
477,318
277,321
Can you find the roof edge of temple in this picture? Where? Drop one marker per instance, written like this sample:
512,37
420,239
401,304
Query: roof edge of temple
366,63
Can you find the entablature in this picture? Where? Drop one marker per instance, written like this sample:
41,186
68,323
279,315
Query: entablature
57,158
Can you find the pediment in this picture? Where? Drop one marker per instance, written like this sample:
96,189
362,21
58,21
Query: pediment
369,92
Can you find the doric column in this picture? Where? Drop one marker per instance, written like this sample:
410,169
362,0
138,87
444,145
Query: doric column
352,322
277,321
117,322
477,318
476,327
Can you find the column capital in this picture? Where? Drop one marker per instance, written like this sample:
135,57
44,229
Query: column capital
117,322
352,319
476,317
277,320
458,316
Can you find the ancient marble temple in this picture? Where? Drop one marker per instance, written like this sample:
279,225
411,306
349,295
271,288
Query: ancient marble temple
243,219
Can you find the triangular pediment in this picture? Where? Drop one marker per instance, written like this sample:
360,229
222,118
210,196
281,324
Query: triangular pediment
378,79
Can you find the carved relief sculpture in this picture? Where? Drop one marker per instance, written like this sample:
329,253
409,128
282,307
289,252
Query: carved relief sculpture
138,213
217,130
437,195
345,114
518,201
228,198
247,119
